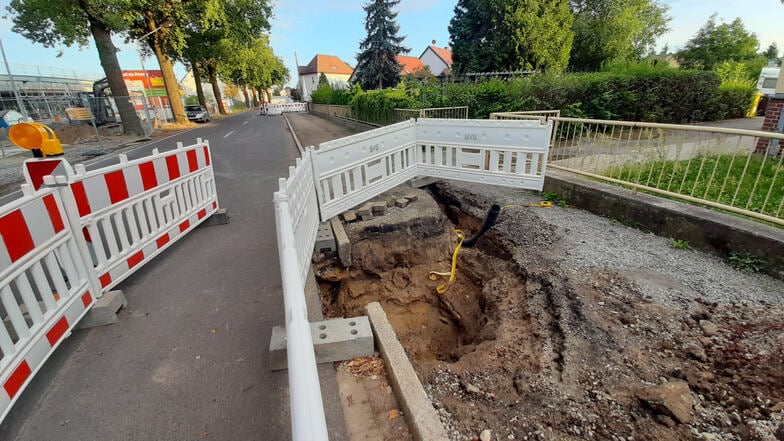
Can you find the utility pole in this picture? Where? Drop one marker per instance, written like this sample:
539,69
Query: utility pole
13,83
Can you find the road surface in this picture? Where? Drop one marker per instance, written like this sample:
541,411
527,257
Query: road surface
188,358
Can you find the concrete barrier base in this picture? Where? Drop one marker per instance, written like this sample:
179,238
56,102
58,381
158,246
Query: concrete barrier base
333,340
104,312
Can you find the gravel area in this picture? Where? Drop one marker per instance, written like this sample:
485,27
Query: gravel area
663,273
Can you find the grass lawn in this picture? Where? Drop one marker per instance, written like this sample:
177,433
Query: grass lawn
720,178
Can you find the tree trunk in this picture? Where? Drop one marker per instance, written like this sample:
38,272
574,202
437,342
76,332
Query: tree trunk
254,98
216,88
107,53
199,89
169,80
245,93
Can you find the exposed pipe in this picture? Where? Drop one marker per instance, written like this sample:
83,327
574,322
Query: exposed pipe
492,217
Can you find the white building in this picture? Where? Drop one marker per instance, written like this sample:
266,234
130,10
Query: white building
438,59
335,69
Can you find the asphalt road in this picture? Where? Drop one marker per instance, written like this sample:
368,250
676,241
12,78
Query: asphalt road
188,358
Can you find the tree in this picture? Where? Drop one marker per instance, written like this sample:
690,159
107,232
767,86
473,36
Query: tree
377,65
608,31
239,20
772,52
510,35
323,79
715,43
73,22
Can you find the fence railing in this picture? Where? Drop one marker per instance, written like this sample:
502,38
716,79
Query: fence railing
73,235
348,171
740,171
386,117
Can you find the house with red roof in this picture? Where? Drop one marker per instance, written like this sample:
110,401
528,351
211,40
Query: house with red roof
409,65
438,59
336,70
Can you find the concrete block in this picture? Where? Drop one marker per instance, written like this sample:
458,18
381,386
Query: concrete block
411,197
379,208
391,201
419,411
402,203
342,242
104,311
325,239
333,340
220,217
350,216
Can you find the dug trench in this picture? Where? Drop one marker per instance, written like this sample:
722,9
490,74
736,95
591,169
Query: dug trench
528,349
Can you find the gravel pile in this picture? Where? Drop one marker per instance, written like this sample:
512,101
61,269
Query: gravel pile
585,242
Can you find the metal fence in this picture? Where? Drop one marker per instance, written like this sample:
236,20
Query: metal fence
386,117
740,171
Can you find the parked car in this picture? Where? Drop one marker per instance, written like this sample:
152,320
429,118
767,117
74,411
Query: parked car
197,113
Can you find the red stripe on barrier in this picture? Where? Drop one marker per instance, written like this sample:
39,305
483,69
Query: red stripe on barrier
214,205
193,164
38,169
173,166
17,379
16,235
135,259
184,226
105,280
202,213
115,183
81,198
163,240
54,213
87,299
207,155
57,331
149,180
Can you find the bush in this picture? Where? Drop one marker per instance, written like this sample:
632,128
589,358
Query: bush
646,91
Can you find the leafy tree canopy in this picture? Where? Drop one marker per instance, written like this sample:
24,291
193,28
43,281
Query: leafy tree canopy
377,65
608,31
718,42
772,52
510,35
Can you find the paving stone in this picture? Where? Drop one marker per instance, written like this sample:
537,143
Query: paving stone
412,197
341,239
402,203
379,208
350,216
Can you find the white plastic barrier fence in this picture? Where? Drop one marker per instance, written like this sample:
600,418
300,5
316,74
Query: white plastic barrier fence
132,211
348,171
484,151
356,168
278,108
296,220
45,286
76,234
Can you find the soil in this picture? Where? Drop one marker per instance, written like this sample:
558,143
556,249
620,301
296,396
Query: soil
528,348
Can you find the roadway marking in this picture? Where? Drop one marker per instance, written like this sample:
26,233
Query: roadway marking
244,122
228,134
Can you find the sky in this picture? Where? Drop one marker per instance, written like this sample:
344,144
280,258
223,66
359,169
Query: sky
335,27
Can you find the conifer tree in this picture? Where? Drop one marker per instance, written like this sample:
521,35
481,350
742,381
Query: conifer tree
377,65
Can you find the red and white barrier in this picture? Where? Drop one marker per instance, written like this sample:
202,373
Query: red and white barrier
279,108
76,234
45,286
132,211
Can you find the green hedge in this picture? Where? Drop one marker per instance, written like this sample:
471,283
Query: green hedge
639,92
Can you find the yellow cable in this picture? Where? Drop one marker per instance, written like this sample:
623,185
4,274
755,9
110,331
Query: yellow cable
543,204
435,275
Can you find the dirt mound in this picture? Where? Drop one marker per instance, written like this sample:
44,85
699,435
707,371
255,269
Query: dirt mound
531,349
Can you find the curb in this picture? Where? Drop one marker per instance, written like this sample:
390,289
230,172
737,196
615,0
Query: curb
293,135
418,410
